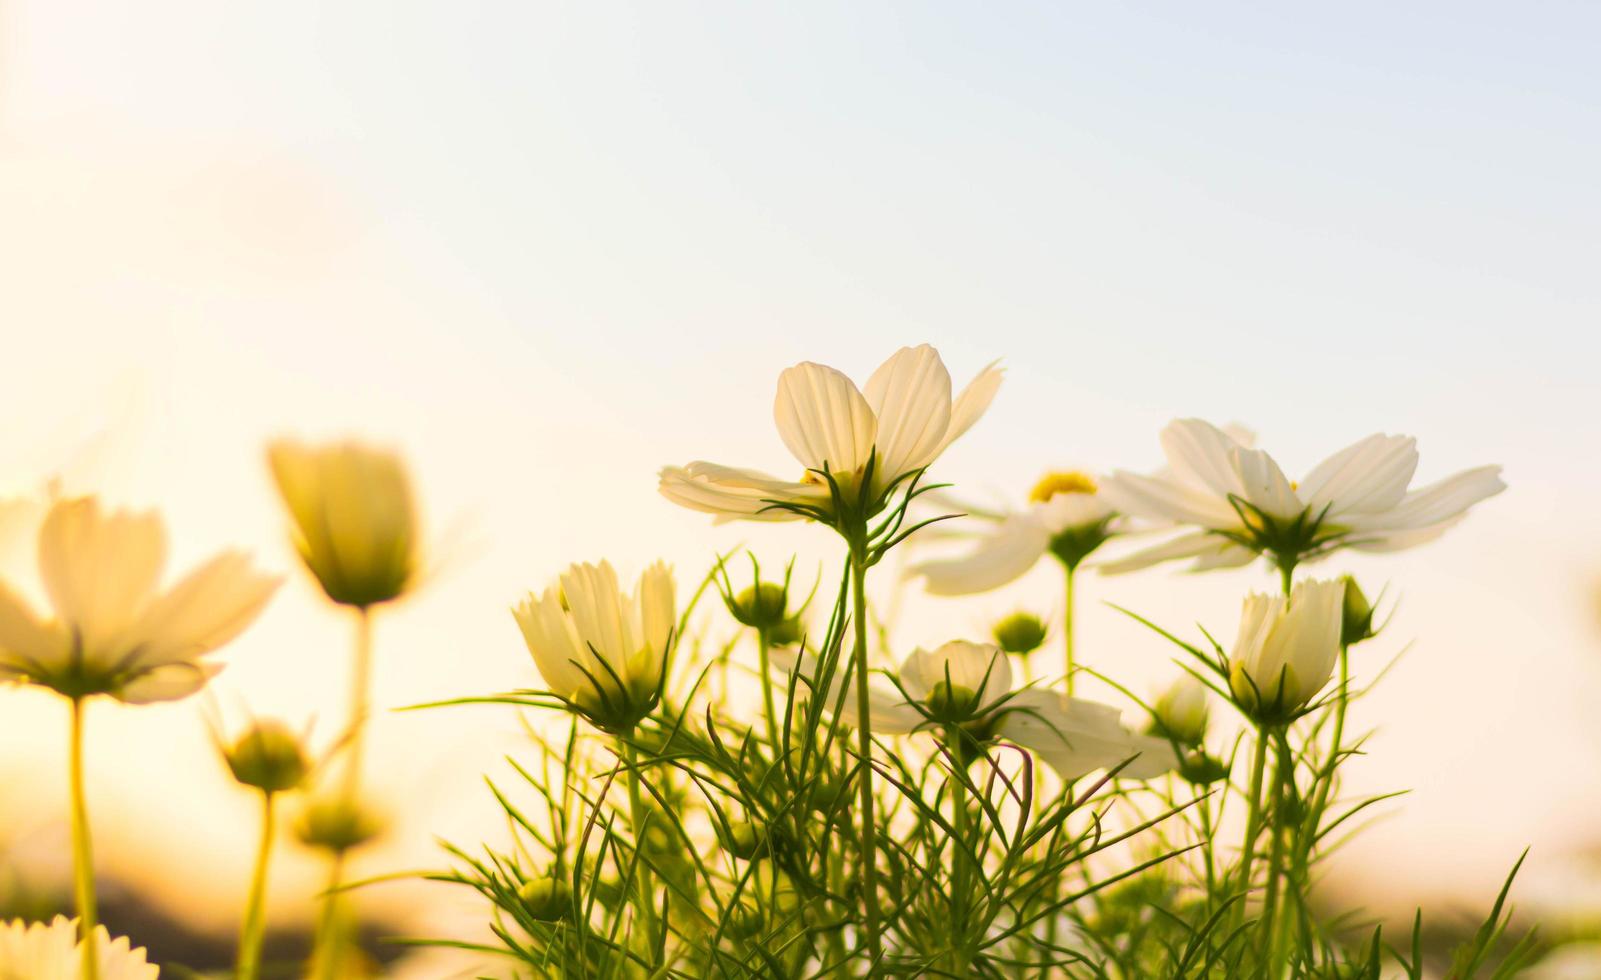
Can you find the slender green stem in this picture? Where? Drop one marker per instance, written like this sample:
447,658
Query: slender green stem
1287,576
1283,780
1320,798
646,891
329,934
1067,628
762,648
1253,819
83,872
360,704
962,871
250,934
327,954
864,735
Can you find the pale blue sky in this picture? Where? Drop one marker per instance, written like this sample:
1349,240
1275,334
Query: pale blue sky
547,248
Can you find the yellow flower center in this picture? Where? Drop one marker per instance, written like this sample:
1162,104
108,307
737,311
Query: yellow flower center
1069,481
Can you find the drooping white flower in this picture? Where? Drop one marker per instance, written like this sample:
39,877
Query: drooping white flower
1065,516
113,631
1244,505
1286,649
355,518
969,686
601,649
52,951
901,421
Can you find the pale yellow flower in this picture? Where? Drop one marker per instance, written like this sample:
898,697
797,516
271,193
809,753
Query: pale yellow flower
113,631
903,419
51,951
600,649
1287,649
355,519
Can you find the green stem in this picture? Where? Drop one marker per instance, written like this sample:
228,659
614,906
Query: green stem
360,697
250,934
1253,819
646,891
1067,628
83,873
864,734
1283,779
762,648
1325,787
961,863
324,954
1287,576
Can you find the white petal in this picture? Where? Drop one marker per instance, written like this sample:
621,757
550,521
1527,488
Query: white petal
25,641
736,494
823,419
1187,545
973,402
1168,500
1264,485
99,570
551,642
1075,736
1201,455
1368,476
1001,555
656,602
889,711
207,608
595,603
978,667
1229,555
1436,502
169,682
911,395
1066,510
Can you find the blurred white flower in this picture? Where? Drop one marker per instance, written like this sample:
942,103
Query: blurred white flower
601,649
355,518
902,421
113,632
969,685
1286,649
1244,505
1065,516
51,951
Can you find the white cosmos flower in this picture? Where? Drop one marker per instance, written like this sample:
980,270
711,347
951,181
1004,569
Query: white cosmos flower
1243,505
51,951
113,631
1066,516
1181,710
1286,650
599,648
970,684
905,415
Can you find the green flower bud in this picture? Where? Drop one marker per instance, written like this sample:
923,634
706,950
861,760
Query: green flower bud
762,606
1020,633
1358,615
338,826
268,757
1181,711
787,633
547,899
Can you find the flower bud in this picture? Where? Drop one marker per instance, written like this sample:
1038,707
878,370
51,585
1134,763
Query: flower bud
1286,649
547,899
1200,769
1020,633
337,825
1358,615
952,703
355,523
786,633
1181,711
268,757
762,606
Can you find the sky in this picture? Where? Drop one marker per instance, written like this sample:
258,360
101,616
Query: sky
544,249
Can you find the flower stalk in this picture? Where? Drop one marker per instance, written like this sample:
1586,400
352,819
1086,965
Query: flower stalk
248,966
83,875
864,735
